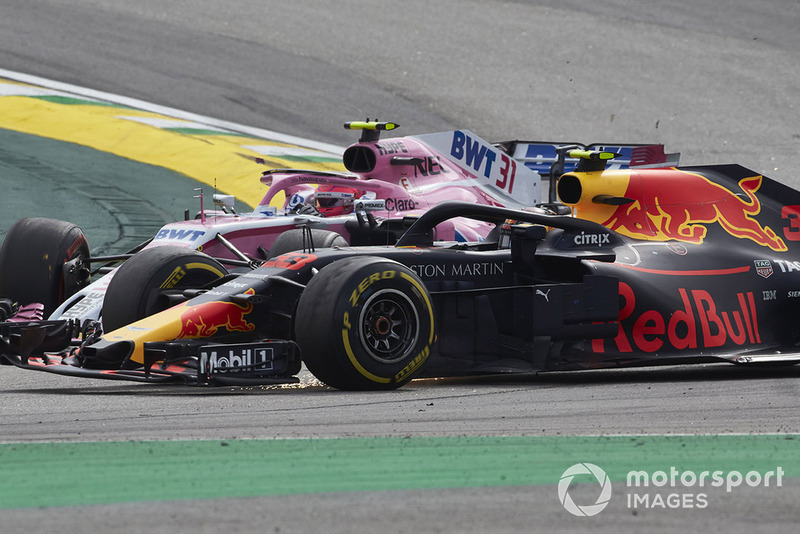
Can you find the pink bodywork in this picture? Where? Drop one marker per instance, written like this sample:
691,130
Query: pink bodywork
409,189
407,173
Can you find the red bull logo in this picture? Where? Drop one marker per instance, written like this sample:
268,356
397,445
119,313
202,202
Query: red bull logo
671,204
205,319
699,322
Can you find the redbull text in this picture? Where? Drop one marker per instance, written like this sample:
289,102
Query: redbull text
697,324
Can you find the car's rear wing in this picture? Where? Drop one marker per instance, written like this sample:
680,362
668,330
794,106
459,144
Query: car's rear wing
550,160
540,156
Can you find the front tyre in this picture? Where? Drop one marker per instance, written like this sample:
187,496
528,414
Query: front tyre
142,285
365,323
43,260
298,239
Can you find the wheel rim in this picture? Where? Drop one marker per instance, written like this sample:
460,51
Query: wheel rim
75,275
389,326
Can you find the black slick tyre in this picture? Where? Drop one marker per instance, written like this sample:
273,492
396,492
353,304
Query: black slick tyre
297,239
365,323
139,286
32,260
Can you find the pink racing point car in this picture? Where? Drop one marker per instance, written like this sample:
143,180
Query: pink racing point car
389,183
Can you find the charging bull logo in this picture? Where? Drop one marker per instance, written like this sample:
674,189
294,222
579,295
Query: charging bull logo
204,320
679,205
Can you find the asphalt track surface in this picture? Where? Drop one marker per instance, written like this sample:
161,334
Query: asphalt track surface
718,85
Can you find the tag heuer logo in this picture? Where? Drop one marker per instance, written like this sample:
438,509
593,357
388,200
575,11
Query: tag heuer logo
763,268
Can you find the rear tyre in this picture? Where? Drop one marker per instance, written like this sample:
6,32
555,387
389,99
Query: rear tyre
292,240
365,323
32,262
141,285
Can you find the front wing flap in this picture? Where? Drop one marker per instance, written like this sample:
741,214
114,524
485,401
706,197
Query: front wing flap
50,346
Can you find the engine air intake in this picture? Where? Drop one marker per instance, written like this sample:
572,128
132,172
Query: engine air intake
359,159
569,189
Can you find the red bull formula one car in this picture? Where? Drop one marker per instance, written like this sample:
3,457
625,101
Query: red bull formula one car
653,266
47,263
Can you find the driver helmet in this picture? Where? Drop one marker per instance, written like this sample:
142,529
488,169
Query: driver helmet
335,200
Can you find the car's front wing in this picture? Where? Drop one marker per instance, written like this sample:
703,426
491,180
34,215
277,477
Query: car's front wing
48,346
